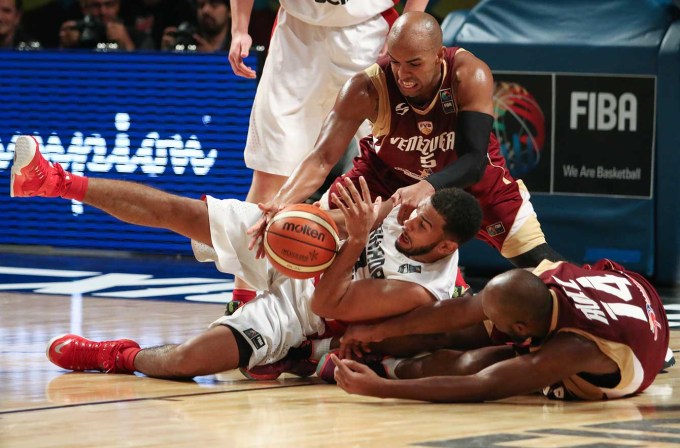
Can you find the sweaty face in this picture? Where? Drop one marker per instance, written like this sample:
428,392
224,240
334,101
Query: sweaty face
9,18
421,232
212,16
416,70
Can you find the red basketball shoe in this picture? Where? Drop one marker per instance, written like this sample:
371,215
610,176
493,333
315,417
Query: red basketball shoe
74,352
33,175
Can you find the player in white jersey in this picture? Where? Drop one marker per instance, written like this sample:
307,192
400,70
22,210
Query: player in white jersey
287,310
315,47
290,303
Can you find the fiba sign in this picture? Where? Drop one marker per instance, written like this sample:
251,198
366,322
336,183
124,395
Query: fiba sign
577,134
519,127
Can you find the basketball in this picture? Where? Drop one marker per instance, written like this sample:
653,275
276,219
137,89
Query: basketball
301,241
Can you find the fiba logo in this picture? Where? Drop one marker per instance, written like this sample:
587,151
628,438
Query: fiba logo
519,127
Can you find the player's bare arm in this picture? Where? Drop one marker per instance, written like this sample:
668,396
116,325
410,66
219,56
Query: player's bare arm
473,83
240,39
440,317
564,355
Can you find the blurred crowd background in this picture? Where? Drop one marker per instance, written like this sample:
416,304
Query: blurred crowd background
129,25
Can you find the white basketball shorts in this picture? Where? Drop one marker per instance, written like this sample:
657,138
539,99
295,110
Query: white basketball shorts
306,67
280,317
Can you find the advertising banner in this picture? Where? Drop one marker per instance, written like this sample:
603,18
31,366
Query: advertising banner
173,121
577,134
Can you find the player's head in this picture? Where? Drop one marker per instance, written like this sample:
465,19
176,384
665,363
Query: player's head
440,224
414,47
518,303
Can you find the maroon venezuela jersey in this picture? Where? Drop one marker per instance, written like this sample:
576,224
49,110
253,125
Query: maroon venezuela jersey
408,143
619,311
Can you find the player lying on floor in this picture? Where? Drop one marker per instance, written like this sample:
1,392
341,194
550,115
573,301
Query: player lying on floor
589,333
399,269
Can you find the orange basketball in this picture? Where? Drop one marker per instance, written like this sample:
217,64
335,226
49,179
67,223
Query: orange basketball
301,241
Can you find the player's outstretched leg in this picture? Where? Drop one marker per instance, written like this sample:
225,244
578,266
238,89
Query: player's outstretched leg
212,351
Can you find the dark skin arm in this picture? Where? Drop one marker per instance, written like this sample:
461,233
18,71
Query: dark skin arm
473,89
440,317
564,355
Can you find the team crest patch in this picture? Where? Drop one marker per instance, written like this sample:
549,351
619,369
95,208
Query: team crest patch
409,268
258,340
446,99
495,229
425,127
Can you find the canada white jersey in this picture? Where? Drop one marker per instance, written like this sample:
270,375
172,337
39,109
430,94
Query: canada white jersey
335,12
381,259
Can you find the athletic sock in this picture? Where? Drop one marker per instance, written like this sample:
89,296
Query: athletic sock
75,187
320,347
126,359
243,295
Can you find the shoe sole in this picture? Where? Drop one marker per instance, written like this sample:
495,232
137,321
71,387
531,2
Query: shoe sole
669,361
24,151
321,367
255,377
51,342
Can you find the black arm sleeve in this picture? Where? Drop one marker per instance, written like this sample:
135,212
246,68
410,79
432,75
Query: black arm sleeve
472,140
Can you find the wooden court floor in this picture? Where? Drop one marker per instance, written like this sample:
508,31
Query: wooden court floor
44,406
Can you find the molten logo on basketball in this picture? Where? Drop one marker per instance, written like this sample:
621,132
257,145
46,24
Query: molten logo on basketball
304,230
301,241
519,127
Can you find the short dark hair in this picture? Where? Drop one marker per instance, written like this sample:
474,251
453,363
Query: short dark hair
19,5
461,212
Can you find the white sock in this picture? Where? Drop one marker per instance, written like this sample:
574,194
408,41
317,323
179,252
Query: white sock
390,364
320,347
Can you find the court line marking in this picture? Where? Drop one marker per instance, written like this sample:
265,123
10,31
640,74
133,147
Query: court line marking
163,397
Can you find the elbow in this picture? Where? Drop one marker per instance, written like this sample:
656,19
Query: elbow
479,172
321,309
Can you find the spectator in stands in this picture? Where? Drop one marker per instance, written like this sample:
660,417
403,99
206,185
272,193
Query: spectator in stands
151,17
214,21
101,23
11,35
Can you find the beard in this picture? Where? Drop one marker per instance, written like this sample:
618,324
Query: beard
415,251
